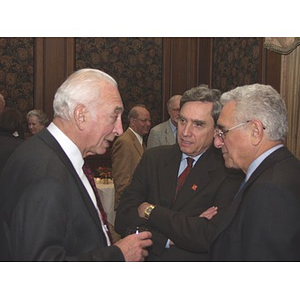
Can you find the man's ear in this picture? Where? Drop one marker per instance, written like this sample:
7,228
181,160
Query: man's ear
80,116
257,131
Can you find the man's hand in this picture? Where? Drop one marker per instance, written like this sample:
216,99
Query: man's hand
209,213
141,209
134,246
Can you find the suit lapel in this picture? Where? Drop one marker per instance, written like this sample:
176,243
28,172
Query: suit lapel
275,157
137,145
169,135
168,167
54,145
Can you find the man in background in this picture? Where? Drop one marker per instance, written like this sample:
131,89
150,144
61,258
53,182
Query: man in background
128,149
166,133
262,223
50,210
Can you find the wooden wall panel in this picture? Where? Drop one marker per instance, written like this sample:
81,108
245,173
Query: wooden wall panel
271,64
186,63
54,62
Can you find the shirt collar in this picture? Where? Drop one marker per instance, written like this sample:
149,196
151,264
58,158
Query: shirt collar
68,146
139,137
254,165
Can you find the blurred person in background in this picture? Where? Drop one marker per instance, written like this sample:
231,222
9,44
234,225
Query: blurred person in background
36,120
128,149
166,133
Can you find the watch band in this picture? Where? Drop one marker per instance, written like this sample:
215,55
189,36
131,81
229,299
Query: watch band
148,211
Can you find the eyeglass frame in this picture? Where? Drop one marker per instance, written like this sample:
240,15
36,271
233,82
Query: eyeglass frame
221,134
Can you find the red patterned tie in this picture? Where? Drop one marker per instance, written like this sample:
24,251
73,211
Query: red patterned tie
182,177
89,174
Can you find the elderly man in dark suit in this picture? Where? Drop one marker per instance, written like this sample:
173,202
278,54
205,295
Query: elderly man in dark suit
153,187
262,223
50,210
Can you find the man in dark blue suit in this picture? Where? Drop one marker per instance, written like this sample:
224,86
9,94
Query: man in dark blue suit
50,210
262,223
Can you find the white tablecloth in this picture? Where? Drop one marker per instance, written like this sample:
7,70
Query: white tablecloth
107,195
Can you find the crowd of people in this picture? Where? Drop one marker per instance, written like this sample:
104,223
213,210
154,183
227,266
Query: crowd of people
215,182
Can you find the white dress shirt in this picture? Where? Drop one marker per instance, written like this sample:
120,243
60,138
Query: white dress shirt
77,161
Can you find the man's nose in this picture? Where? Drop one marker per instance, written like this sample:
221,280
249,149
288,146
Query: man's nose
218,142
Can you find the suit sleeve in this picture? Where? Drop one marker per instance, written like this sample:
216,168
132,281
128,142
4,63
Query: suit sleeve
271,224
195,233
152,139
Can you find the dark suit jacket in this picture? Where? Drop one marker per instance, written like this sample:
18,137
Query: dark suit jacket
263,222
154,180
48,215
8,143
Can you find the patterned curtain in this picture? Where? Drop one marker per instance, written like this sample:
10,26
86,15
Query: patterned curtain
281,45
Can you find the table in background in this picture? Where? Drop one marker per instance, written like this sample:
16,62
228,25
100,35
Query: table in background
107,195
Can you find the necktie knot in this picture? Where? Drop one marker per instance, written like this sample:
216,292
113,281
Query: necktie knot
190,162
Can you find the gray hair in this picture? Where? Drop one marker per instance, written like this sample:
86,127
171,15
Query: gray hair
83,86
204,94
172,99
261,102
42,117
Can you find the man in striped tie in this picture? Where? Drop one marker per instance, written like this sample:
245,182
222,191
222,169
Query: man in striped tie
50,211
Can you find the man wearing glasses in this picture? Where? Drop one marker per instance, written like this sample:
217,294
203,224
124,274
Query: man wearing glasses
262,223
128,149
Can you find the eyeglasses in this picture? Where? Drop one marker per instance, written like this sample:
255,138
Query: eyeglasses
222,134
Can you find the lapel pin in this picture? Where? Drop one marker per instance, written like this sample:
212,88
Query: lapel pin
194,187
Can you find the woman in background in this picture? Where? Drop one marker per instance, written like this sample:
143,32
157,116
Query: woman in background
36,120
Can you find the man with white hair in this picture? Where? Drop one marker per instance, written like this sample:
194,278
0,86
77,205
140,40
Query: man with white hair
50,209
262,223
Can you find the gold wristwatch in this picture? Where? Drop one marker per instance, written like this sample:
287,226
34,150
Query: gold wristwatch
148,211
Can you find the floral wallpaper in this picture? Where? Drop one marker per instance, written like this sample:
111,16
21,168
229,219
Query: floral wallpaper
135,63
16,72
236,61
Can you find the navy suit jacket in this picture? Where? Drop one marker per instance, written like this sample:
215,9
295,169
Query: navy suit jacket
263,222
209,183
47,212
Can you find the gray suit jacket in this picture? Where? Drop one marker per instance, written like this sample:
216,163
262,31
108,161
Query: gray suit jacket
161,134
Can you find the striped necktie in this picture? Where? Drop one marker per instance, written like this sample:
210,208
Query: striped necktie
182,177
89,174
